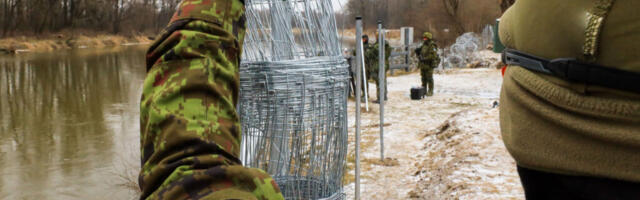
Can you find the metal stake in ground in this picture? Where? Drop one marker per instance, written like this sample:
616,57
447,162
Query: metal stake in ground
360,64
381,84
364,76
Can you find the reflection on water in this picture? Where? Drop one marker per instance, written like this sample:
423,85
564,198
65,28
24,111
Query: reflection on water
69,123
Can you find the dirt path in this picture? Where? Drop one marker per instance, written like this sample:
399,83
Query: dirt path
417,154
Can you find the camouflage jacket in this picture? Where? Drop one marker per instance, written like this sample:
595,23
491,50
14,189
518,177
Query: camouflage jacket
190,131
428,55
369,61
373,53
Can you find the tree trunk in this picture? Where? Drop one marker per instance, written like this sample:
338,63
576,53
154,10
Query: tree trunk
116,17
505,4
451,7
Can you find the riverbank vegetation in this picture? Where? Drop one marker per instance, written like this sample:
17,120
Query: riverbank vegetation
59,41
36,25
37,17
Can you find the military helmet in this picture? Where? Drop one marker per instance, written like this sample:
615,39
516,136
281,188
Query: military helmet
365,39
427,35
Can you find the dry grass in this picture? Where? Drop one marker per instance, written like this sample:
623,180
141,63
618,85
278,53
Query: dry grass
126,171
401,72
387,162
391,33
394,34
60,41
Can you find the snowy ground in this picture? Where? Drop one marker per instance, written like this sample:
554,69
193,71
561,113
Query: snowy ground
443,147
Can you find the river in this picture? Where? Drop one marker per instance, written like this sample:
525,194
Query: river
69,124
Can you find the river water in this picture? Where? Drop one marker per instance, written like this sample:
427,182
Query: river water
69,124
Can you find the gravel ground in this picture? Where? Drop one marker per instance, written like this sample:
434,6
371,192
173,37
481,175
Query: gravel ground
447,146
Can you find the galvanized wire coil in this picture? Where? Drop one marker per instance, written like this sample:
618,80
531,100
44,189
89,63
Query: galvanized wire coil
293,97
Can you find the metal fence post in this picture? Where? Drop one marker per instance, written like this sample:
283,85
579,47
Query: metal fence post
381,84
359,66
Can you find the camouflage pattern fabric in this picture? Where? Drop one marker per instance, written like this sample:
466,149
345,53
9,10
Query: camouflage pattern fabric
366,47
429,60
190,131
374,67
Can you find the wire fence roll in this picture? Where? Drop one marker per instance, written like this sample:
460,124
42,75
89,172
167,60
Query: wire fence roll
293,97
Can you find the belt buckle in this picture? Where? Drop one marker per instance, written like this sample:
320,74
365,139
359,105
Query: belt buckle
570,69
560,67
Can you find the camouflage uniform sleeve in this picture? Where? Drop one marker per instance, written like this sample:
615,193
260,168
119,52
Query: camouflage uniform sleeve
372,60
417,52
190,132
436,58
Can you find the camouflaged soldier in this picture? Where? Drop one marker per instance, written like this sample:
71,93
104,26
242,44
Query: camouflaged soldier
190,132
366,48
428,60
373,55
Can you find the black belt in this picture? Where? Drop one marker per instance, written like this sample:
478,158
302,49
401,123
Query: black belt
575,71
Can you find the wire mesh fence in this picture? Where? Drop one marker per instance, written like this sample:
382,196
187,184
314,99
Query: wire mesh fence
293,97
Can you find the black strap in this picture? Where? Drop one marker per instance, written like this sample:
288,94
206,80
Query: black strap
575,71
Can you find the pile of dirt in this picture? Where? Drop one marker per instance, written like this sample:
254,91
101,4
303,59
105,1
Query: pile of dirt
464,158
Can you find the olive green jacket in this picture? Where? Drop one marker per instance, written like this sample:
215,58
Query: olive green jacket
557,126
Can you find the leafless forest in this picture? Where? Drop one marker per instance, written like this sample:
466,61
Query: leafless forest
447,19
37,17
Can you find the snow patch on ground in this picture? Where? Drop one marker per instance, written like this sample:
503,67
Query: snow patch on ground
464,158
465,161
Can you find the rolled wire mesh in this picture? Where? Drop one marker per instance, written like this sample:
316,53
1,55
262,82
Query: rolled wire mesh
463,51
293,97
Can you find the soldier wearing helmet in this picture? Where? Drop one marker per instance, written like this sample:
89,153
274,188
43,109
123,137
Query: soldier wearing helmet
366,47
428,60
372,55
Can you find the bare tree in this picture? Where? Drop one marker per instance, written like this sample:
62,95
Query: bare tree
36,17
451,7
447,19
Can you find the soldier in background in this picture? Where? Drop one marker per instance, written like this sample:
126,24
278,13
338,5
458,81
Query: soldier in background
373,55
368,61
428,60
190,131
366,49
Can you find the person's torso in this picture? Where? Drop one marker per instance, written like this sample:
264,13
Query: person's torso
560,29
428,51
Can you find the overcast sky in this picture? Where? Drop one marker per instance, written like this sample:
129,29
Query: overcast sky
338,4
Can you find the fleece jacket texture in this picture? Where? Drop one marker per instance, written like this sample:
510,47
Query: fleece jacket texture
557,126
